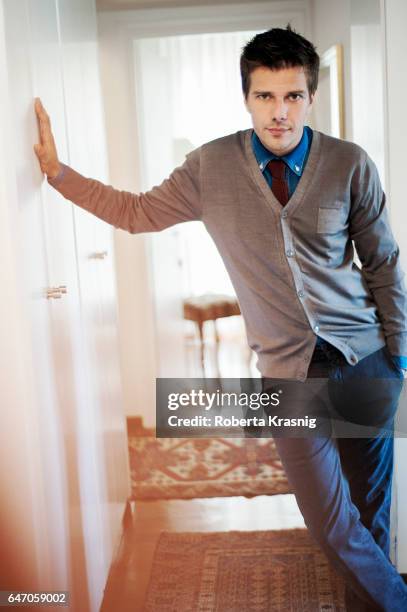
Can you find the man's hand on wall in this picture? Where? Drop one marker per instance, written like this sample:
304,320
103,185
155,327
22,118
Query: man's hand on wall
46,150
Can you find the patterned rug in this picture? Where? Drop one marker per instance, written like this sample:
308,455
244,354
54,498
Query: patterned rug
167,468
240,571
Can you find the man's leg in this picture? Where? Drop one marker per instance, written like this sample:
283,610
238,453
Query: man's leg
313,467
368,462
368,466
314,470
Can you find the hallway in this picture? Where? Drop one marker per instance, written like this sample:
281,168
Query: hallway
90,315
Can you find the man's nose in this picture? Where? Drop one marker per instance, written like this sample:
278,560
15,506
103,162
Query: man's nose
279,110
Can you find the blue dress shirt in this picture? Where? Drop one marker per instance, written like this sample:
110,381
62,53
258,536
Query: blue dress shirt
295,163
295,160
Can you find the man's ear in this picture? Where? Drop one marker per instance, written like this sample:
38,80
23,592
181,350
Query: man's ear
312,99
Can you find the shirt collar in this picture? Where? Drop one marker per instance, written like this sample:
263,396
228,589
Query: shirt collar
294,160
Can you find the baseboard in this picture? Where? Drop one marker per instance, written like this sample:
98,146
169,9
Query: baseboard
115,582
127,518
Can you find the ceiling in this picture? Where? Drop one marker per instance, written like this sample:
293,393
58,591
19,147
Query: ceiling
123,5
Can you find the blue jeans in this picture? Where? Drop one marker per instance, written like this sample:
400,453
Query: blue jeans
343,484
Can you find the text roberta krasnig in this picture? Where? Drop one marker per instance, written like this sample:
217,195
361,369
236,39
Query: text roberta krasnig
233,421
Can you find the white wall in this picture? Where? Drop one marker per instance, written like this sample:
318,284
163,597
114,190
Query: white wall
135,299
395,14
330,24
64,479
18,450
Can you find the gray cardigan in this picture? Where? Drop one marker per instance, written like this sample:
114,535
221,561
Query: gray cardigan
292,268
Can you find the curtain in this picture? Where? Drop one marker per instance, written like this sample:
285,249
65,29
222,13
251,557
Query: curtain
190,93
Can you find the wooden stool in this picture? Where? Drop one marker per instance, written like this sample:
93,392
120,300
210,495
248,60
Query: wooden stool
209,307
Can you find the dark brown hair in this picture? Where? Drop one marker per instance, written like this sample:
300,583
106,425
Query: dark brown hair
276,49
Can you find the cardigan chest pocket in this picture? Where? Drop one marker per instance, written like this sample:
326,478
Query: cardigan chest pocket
332,218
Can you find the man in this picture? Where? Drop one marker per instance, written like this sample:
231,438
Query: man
283,204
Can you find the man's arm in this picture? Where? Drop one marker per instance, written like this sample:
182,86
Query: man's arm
174,201
379,255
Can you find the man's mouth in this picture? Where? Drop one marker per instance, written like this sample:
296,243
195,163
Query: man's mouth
277,130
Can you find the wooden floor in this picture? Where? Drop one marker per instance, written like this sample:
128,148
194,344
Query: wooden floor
129,576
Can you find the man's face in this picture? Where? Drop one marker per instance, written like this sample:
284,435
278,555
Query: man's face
279,103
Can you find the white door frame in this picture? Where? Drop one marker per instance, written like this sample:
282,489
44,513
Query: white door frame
394,18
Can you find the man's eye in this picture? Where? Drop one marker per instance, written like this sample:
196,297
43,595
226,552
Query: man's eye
263,96
295,97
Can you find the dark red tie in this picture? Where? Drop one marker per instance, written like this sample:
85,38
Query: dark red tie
278,184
